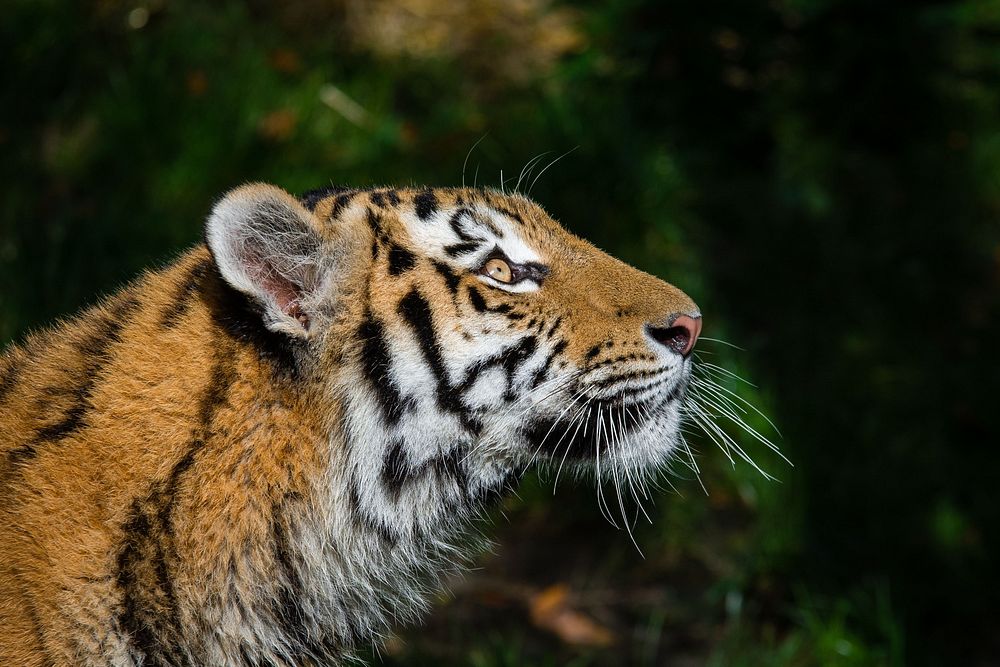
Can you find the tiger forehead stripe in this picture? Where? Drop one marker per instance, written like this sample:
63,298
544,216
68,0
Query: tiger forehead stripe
464,232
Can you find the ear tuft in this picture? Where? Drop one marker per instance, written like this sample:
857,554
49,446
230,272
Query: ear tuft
267,245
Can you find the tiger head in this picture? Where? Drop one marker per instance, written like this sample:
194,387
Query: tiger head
460,335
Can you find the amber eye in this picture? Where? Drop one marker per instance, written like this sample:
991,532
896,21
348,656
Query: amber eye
498,270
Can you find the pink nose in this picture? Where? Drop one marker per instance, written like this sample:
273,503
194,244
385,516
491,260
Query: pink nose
680,334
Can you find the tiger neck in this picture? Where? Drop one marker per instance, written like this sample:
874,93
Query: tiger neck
369,532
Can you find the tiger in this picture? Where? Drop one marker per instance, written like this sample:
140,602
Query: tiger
273,449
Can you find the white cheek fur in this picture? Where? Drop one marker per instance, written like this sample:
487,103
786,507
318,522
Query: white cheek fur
521,287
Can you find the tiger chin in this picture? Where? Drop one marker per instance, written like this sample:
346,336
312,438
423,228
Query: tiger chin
269,451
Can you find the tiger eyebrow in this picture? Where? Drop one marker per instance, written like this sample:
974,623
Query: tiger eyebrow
482,220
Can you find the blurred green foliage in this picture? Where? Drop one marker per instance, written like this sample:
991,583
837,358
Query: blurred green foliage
822,176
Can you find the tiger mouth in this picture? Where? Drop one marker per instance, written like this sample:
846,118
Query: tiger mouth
590,426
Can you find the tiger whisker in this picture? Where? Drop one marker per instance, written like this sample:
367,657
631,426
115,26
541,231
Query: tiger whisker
618,482
736,419
739,398
551,428
530,163
724,371
532,186
601,503
569,443
722,342
699,418
636,485
731,442
469,154
491,437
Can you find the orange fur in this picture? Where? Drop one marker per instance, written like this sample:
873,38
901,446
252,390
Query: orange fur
149,443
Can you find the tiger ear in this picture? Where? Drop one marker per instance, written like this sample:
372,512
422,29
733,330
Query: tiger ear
267,246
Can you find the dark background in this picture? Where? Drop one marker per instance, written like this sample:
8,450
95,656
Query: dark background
822,176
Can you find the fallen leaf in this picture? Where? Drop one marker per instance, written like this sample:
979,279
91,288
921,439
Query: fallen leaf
278,125
285,61
196,83
550,610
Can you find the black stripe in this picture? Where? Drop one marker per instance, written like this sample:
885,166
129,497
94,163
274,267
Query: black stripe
181,301
542,373
400,260
449,468
455,221
395,469
508,359
376,363
299,629
364,521
340,203
71,422
378,199
374,221
313,197
426,204
11,373
630,393
398,472
509,213
451,279
93,349
513,360
593,352
464,248
393,197
502,308
555,325
632,356
624,377
416,311
38,628
149,613
242,319
478,302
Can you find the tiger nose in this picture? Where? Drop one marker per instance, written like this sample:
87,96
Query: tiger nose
680,334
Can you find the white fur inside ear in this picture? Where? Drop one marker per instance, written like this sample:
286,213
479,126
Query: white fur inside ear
266,245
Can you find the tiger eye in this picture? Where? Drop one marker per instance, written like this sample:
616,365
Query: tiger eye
498,270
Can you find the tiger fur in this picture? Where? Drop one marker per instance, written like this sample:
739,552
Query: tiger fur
270,450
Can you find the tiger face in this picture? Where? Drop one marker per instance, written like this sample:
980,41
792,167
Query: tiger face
462,336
